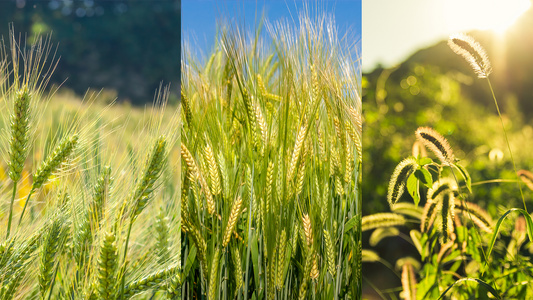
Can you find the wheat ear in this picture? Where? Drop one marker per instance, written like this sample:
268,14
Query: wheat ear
52,163
148,282
232,221
19,144
107,267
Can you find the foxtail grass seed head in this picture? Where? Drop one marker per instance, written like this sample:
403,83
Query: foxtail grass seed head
399,179
478,215
472,52
382,220
447,205
428,216
441,186
435,142
53,162
152,172
408,282
527,178
19,134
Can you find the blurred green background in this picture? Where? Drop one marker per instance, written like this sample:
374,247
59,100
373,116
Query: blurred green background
128,47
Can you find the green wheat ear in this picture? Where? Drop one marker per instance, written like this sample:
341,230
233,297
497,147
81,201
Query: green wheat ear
150,175
19,134
399,178
54,161
107,267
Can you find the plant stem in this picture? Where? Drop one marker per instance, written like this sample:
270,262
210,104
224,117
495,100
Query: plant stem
11,209
123,272
25,205
508,145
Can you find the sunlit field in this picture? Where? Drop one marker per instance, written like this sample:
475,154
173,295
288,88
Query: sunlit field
447,172
89,190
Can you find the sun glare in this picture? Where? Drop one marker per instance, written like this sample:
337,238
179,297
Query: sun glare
496,15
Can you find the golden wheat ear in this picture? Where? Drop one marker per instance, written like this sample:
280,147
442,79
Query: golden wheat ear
472,52
435,142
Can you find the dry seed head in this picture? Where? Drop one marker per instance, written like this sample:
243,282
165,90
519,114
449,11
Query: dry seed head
399,178
472,52
436,143
19,134
232,221
54,161
527,178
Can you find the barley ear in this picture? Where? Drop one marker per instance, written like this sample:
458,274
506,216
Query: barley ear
232,221
50,247
148,282
399,178
213,276
330,251
107,267
472,52
55,160
151,173
19,134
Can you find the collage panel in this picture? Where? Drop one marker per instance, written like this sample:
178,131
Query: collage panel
89,154
446,149
271,150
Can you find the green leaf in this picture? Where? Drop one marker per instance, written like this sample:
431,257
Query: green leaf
478,281
424,176
190,260
465,175
497,228
412,188
424,161
355,220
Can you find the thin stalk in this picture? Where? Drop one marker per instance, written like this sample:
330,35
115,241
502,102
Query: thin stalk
508,145
25,205
123,272
11,209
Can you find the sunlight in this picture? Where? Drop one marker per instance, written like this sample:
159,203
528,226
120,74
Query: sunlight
493,15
